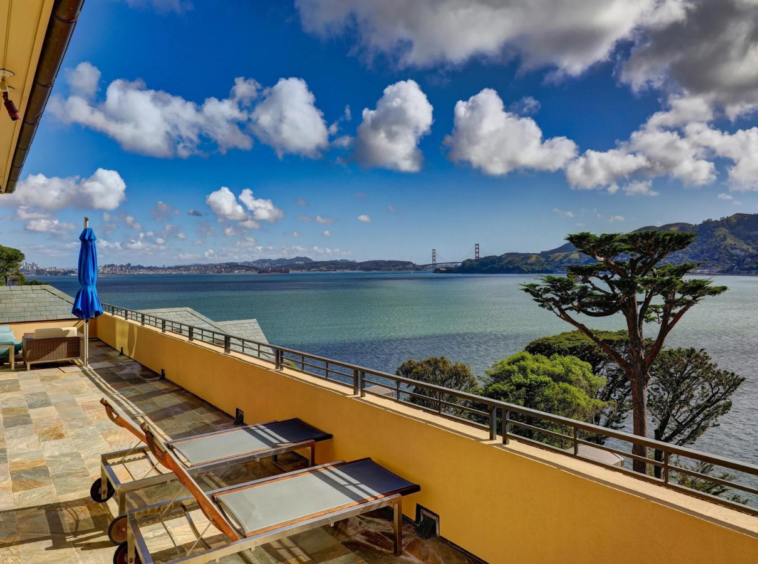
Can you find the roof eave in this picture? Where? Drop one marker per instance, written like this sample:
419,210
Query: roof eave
59,30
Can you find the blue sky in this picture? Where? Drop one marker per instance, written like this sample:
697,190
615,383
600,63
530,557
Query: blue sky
509,171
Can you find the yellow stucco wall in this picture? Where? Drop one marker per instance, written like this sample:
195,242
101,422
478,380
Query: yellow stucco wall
503,504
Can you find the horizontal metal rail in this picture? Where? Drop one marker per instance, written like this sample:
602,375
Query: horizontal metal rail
487,413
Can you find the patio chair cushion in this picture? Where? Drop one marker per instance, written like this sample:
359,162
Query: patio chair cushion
55,332
244,441
8,338
280,502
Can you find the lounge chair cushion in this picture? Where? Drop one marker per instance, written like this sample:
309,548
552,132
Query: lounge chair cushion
245,440
55,332
8,338
5,328
270,505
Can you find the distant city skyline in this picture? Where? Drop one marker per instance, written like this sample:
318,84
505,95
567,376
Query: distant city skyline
370,129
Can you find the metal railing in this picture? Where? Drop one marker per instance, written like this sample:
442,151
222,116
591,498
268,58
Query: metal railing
502,420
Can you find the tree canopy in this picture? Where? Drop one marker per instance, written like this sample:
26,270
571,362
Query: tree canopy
628,278
616,392
10,262
438,371
688,394
563,385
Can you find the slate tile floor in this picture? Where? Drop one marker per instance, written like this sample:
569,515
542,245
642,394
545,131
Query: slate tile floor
53,431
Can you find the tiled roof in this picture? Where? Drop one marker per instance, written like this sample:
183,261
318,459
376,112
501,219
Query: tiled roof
244,328
34,303
185,315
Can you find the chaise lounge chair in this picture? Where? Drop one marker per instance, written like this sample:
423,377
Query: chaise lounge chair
198,454
266,510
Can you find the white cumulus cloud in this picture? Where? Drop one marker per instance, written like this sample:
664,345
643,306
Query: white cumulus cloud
104,190
364,218
84,80
261,210
570,35
709,49
498,142
224,204
288,120
661,147
388,136
153,122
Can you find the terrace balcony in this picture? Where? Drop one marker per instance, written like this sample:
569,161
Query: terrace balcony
516,502
54,431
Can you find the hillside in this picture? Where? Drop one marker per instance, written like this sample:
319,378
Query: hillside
726,246
297,264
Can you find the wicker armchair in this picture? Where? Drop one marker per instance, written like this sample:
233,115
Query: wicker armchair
55,349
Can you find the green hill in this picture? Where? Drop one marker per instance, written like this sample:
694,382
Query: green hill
726,246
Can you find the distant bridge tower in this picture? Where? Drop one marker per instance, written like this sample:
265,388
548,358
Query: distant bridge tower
476,251
434,257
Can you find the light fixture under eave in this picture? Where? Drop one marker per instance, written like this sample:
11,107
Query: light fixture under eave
5,88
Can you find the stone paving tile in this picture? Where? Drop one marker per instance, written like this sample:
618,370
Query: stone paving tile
53,430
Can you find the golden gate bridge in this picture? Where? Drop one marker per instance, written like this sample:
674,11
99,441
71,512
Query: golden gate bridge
439,261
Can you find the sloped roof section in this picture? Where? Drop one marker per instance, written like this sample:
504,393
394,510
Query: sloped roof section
34,303
185,315
248,329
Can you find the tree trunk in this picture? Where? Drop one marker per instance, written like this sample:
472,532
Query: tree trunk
639,410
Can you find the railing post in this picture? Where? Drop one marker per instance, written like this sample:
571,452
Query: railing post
666,467
506,413
361,386
142,318
163,325
126,314
227,344
397,390
493,422
356,386
576,441
278,359
191,333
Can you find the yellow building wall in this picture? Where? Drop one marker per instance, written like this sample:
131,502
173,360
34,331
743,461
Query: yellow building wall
502,504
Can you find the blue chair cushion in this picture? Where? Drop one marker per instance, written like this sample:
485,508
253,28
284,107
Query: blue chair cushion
5,328
8,338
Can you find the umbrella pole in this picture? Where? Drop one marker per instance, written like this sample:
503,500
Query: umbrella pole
86,321
86,343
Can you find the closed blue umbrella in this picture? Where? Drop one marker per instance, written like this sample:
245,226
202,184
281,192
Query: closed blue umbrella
87,303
